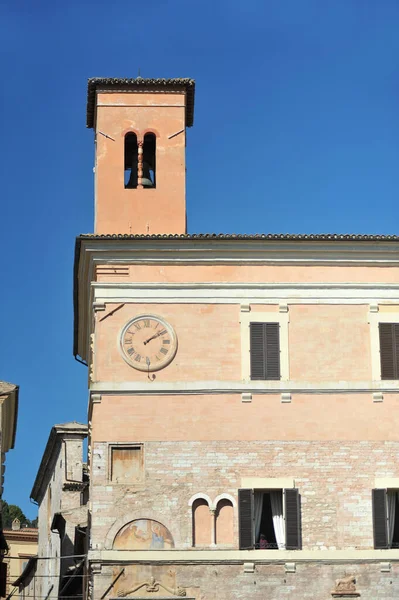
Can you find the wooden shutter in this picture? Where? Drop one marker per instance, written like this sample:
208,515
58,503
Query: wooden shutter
389,350
265,350
246,519
380,519
292,519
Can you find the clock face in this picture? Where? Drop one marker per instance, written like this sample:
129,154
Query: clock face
148,343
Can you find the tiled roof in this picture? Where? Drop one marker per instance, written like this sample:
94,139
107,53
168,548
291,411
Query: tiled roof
7,388
116,83
317,237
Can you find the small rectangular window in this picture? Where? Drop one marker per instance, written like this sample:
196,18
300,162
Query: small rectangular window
127,464
389,350
265,351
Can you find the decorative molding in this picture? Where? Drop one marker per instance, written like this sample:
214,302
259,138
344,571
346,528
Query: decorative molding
378,397
245,308
246,294
240,387
290,567
267,483
286,397
345,587
249,567
199,496
224,497
95,568
283,308
98,305
391,483
246,397
152,586
385,567
374,308
95,398
230,556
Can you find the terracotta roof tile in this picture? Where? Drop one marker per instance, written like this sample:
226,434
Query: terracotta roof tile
317,237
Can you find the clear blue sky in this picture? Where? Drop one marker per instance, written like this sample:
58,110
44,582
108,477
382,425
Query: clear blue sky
296,122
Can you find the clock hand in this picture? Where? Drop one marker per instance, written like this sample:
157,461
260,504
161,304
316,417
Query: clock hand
153,337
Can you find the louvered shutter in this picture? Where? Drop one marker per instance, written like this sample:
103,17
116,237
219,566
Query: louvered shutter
246,519
265,350
389,350
380,519
292,519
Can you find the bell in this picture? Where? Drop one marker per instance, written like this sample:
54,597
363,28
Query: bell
146,179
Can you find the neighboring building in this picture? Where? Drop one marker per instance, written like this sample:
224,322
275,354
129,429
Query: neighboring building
8,421
243,389
9,393
22,546
59,490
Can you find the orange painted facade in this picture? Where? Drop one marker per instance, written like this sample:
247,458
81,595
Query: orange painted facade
149,211
201,423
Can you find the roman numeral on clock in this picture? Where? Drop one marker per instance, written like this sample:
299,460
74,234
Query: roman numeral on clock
164,350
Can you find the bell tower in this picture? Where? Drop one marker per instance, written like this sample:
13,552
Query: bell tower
140,164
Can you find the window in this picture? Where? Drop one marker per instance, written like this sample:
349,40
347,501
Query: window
389,350
269,519
385,518
131,161
149,153
127,464
264,345
384,342
265,350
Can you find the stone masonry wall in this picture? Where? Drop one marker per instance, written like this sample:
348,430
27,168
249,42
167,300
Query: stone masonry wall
334,479
311,581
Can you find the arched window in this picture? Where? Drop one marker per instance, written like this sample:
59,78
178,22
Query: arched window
149,156
224,522
131,161
202,523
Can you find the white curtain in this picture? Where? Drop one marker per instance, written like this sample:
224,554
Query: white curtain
391,495
276,499
258,506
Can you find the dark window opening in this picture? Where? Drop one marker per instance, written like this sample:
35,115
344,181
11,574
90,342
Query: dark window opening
149,167
266,538
131,161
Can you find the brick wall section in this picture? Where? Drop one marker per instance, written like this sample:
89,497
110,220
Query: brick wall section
269,582
334,479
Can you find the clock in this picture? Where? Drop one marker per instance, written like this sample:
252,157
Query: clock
148,343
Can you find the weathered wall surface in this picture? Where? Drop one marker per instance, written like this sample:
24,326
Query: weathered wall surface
311,581
334,480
